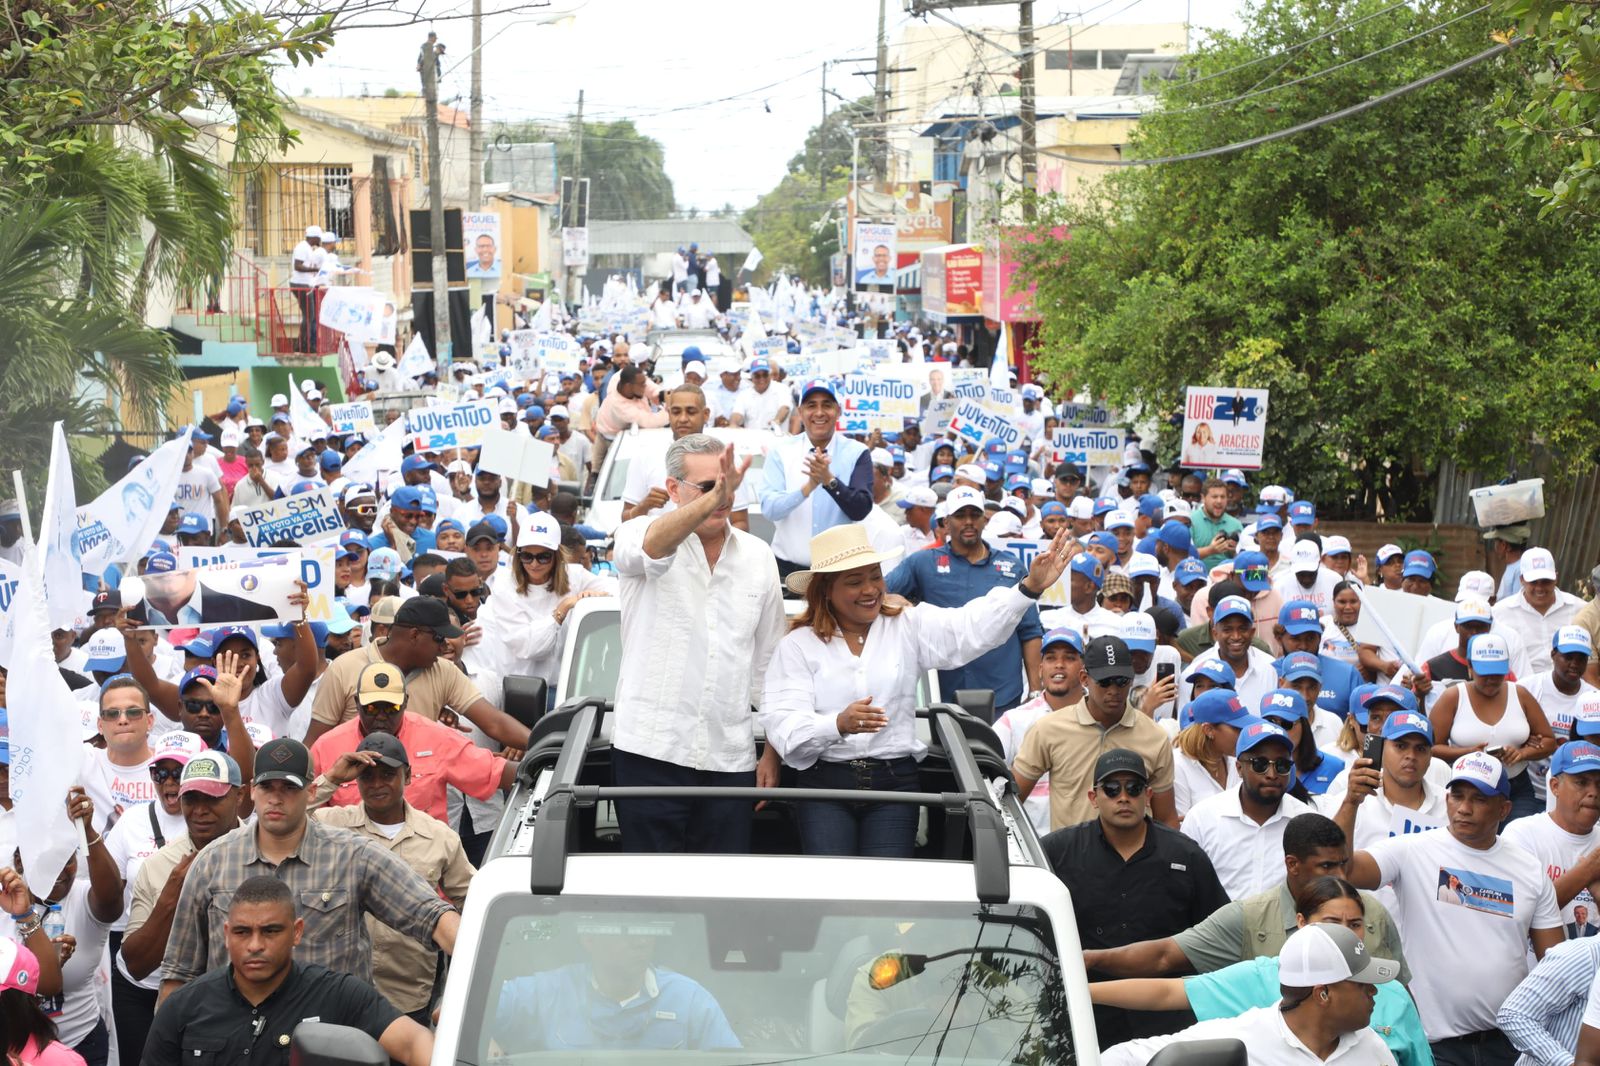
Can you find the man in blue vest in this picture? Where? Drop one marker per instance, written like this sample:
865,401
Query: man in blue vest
815,480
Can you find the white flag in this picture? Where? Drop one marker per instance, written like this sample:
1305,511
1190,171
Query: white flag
1000,369
540,323
381,455
416,361
122,521
752,262
46,737
308,425
63,576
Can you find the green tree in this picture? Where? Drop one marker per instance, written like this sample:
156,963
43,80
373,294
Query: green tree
627,169
1384,275
1555,110
106,190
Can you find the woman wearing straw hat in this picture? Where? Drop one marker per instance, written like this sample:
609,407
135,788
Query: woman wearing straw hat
841,687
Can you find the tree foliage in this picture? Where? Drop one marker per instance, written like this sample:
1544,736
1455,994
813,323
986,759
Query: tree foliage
1384,275
1555,110
795,224
627,169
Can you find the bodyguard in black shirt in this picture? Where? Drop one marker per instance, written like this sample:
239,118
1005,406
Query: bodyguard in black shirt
249,1011
1131,879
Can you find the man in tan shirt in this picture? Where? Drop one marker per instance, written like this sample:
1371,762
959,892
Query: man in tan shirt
1066,744
415,644
402,969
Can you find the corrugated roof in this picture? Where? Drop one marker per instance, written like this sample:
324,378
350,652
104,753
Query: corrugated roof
650,236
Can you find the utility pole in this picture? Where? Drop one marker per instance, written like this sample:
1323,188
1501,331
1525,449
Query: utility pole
428,63
822,179
1027,114
475,178
880,97
576,281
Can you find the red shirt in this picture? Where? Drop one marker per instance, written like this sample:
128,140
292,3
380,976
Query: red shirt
439,755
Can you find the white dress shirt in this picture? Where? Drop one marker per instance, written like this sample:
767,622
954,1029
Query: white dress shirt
809,682
1260,677
1537,630
520,628
695,647
1248,857
1269,1038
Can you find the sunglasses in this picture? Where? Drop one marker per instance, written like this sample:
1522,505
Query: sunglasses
132,714
536,558
158,774
200,707
379,709
1113,789
703,486
1114,682
437,639
1261,764
475,593
1282,723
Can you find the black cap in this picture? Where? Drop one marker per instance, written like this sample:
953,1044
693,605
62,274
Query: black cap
107,600
1118,761
425,612
1107,657
283,759
432,585
390,751
482,531
1068,472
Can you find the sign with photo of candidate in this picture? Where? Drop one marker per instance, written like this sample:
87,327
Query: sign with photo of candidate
1224,427
874,266
225,594
480,230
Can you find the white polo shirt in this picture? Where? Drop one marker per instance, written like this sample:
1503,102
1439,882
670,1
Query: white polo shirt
1260,677
1270,1040
1537,630
1248,857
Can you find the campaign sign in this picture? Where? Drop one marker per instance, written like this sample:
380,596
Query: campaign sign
936,419
976,424
524,359
1003,402
799,367
1086,414
1224,427
1088,447
558,352
882,351
969,384
433,429
305,518
353,417
224,594
768,348
1026,550
316,569
866,394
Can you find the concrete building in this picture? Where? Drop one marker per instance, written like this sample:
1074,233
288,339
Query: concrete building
405,115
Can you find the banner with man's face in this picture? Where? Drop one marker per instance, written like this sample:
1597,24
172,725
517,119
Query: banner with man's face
480,230
874,262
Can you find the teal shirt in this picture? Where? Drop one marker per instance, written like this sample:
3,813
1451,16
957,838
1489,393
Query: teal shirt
1232,990
1204,531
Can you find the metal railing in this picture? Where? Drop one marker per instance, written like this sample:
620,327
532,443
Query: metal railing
241,305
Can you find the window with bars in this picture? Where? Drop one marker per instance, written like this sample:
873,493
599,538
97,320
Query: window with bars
278,202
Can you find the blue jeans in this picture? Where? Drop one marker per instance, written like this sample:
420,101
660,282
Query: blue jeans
879,830
1524,803
705,826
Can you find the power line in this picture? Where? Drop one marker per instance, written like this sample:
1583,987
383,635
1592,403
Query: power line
1278,135
1308,42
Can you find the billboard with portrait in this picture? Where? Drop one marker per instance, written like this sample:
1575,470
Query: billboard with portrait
874,263
480,230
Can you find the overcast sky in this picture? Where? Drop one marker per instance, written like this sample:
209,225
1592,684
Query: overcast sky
699,77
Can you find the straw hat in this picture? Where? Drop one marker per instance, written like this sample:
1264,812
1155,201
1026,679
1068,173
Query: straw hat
838,549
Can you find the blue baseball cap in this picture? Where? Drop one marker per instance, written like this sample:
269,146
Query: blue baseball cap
1188,570
1086,565
992,472
106,651
331,460
236,405
1102,539
1233,476
1174,534
897,453
1400,697
1251,569
306,485
159,562
1105,505
193,523
527,399
446,524
760,366
1259,732
995,447
225,633
1300,664
1284,703
1405,724
285,631
1231,607
1053,508
196,433
1302,512
1214,670
199,673
941,473
1483,772
1572,640
548,431
1219,706
1488,653
1419,564
407,497
1062,635
384,563
1018,481
1152,506
818,385
353,540
1268,521
532,411
1575,757
412,463
1300,616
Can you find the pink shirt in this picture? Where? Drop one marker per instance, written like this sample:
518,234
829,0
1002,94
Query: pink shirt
619,412
55,1053
439,756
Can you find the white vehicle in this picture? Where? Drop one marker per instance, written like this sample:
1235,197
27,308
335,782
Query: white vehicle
666,351
649,446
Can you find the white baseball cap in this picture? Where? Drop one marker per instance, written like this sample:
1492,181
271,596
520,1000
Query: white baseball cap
1040,487
1015,505
1387,552
1274,494
1142,564
1178,508
972,472
1569,639
560,411
1538,565
279,400
881,457
962,496
1473,609
308,385
1081,508
539,531
1139,631
1335,545
1306,557
458,466
314,231
1474,585
921,496
1005,523
1328,954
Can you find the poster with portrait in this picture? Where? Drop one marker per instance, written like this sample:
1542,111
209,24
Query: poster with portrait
480,230
1224,427
874,264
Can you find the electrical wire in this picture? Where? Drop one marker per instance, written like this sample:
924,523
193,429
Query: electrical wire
1278,135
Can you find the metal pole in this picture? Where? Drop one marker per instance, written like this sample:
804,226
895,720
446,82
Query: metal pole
880,95
575,282
1027,113
822,181
475,178
429,62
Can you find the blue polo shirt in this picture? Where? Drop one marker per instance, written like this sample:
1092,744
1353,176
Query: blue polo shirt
559,1010
939,576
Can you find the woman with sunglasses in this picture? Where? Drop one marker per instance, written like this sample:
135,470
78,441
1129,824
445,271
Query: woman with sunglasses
526,613
1232,990
1314,769
840,691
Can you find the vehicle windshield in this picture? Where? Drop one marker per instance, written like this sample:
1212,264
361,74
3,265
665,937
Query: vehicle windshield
593,670
602,980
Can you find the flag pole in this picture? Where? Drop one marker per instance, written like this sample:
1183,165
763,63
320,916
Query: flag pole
22,505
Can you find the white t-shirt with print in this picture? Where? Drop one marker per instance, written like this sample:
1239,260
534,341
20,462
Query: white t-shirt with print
266,704
131,841
1479,927
1558,851
197,488
77,1010
114,789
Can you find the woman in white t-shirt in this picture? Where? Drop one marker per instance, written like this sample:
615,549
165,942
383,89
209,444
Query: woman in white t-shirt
1202,764
1489,713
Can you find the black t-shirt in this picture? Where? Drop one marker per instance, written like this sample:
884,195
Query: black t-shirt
1447,668
208,1021
1167,886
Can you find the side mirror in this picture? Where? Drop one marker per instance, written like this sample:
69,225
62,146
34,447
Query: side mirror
526,698
321,1044
978,702
1226,1052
